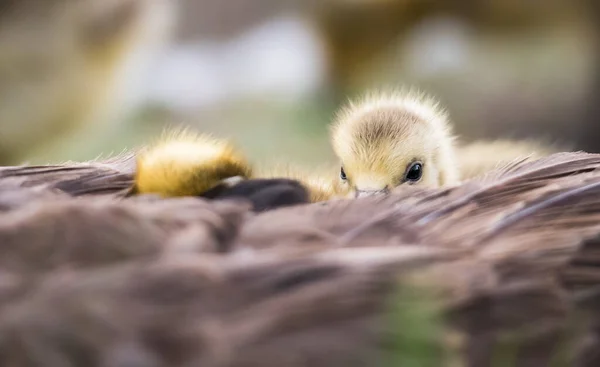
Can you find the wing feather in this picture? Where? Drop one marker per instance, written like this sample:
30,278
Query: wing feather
510,259
113,176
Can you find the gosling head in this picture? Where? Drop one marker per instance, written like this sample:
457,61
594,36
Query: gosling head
391,139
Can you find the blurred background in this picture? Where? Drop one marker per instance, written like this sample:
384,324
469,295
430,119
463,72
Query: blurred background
81,78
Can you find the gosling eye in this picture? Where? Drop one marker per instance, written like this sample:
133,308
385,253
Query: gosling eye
343,174
414,172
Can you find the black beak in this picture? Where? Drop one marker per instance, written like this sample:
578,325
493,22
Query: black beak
365,193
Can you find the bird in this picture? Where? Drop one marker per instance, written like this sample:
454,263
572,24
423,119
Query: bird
384,140
389,138
371,138
186,163
501,266
183,163
180,163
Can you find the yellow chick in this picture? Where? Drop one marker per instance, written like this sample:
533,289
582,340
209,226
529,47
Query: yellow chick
383,141
389,139
183,163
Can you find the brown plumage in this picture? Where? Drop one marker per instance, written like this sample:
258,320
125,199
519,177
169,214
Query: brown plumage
509,260
114,176
480,157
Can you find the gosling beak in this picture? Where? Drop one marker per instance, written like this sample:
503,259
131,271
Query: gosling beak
365,193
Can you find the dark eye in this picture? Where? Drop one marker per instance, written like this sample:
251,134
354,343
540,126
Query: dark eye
414,172
343,174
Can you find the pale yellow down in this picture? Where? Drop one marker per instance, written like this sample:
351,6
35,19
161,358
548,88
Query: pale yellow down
183,163
377,137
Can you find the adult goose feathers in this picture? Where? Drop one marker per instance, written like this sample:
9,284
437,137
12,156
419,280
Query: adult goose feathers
509,261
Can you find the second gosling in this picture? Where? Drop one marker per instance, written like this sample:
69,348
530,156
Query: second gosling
389,139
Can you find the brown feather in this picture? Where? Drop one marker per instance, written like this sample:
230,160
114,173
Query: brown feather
113,176
509,260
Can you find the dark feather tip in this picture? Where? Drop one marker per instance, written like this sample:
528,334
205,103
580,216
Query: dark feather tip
265,194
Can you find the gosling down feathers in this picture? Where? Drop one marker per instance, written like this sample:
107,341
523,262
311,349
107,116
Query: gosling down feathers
182,165
383,141
404,137
187,164
480,271
386,140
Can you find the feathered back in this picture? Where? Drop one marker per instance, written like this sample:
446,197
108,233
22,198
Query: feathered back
509,261
113,176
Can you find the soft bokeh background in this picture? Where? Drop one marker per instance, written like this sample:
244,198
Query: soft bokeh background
269,74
